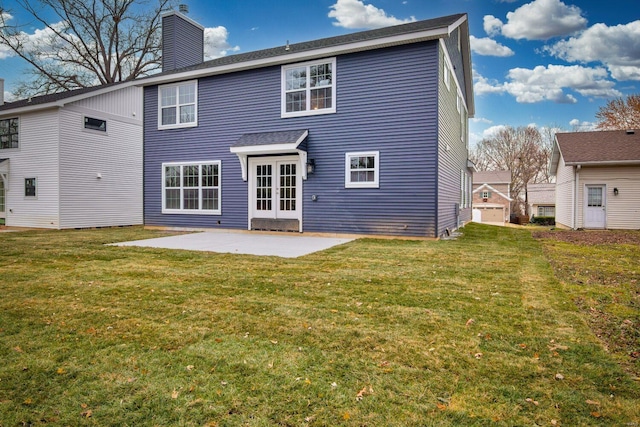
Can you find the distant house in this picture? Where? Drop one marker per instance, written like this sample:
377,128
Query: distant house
542,199
72,159
597,179
492,196
362,133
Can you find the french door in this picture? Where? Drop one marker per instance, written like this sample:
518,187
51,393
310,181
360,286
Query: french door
275,188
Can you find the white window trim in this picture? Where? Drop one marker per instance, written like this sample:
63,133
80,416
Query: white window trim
376,172
192,211
445,74
308,111
178,125
485,196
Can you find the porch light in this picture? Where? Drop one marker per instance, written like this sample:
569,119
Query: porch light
615,191
311,166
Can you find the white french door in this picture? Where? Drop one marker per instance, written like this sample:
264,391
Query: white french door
275,188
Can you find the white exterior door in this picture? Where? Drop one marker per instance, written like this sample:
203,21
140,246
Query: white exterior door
275,188
595,213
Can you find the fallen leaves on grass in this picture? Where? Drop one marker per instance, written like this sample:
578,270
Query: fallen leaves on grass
530,400
366,390
559,376
469,322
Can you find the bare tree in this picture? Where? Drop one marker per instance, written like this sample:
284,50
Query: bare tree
93,42
620,114
525,151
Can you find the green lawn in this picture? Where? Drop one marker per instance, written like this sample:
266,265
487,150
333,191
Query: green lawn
475,331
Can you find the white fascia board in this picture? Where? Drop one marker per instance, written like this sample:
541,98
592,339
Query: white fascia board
300,56
605,163
62,102
477,190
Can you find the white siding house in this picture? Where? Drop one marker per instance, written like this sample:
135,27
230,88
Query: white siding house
72,160
597,179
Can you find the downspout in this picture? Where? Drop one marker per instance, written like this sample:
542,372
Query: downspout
575,197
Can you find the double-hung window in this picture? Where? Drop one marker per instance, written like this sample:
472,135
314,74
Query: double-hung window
309,88
192,188
362,170
178,105
9,133
30,187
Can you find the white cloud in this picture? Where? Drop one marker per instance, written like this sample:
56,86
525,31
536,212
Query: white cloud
481,120
618,47
489,47
582,126
5,52
356,14
215,43
542,20
549,84
484,86
492,131
492,25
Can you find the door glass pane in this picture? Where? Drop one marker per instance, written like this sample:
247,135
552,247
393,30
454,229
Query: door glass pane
594,195
287,193
263,187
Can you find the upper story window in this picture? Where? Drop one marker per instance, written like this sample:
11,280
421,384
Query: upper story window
445,74
178,105
309,88
362,170
486,194
95,124
9,133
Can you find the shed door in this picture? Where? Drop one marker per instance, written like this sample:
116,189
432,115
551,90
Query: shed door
595,213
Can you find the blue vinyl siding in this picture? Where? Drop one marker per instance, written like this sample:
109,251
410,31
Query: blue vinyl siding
182,43
386,101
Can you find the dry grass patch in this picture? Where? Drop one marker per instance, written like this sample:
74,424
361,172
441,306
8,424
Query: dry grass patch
374,332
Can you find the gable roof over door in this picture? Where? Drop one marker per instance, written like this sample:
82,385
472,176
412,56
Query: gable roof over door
600,148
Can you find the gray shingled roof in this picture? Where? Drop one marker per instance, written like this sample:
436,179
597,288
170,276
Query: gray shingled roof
396,30
541,193
492,177
54,97
269,138
599,147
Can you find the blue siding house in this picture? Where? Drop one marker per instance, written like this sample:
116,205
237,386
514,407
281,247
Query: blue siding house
364,133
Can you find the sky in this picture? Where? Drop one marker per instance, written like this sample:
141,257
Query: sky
544,63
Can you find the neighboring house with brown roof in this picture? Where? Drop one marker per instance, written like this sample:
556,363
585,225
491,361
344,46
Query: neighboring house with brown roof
492,196
597,179
542,199
72,159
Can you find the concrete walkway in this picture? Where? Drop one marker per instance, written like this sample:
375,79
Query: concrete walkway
281,245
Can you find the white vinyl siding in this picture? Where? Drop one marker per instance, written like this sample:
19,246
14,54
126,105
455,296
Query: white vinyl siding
622,210
565,187
37,157
101,172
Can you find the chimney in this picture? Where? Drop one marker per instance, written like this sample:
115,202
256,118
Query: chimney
182,41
